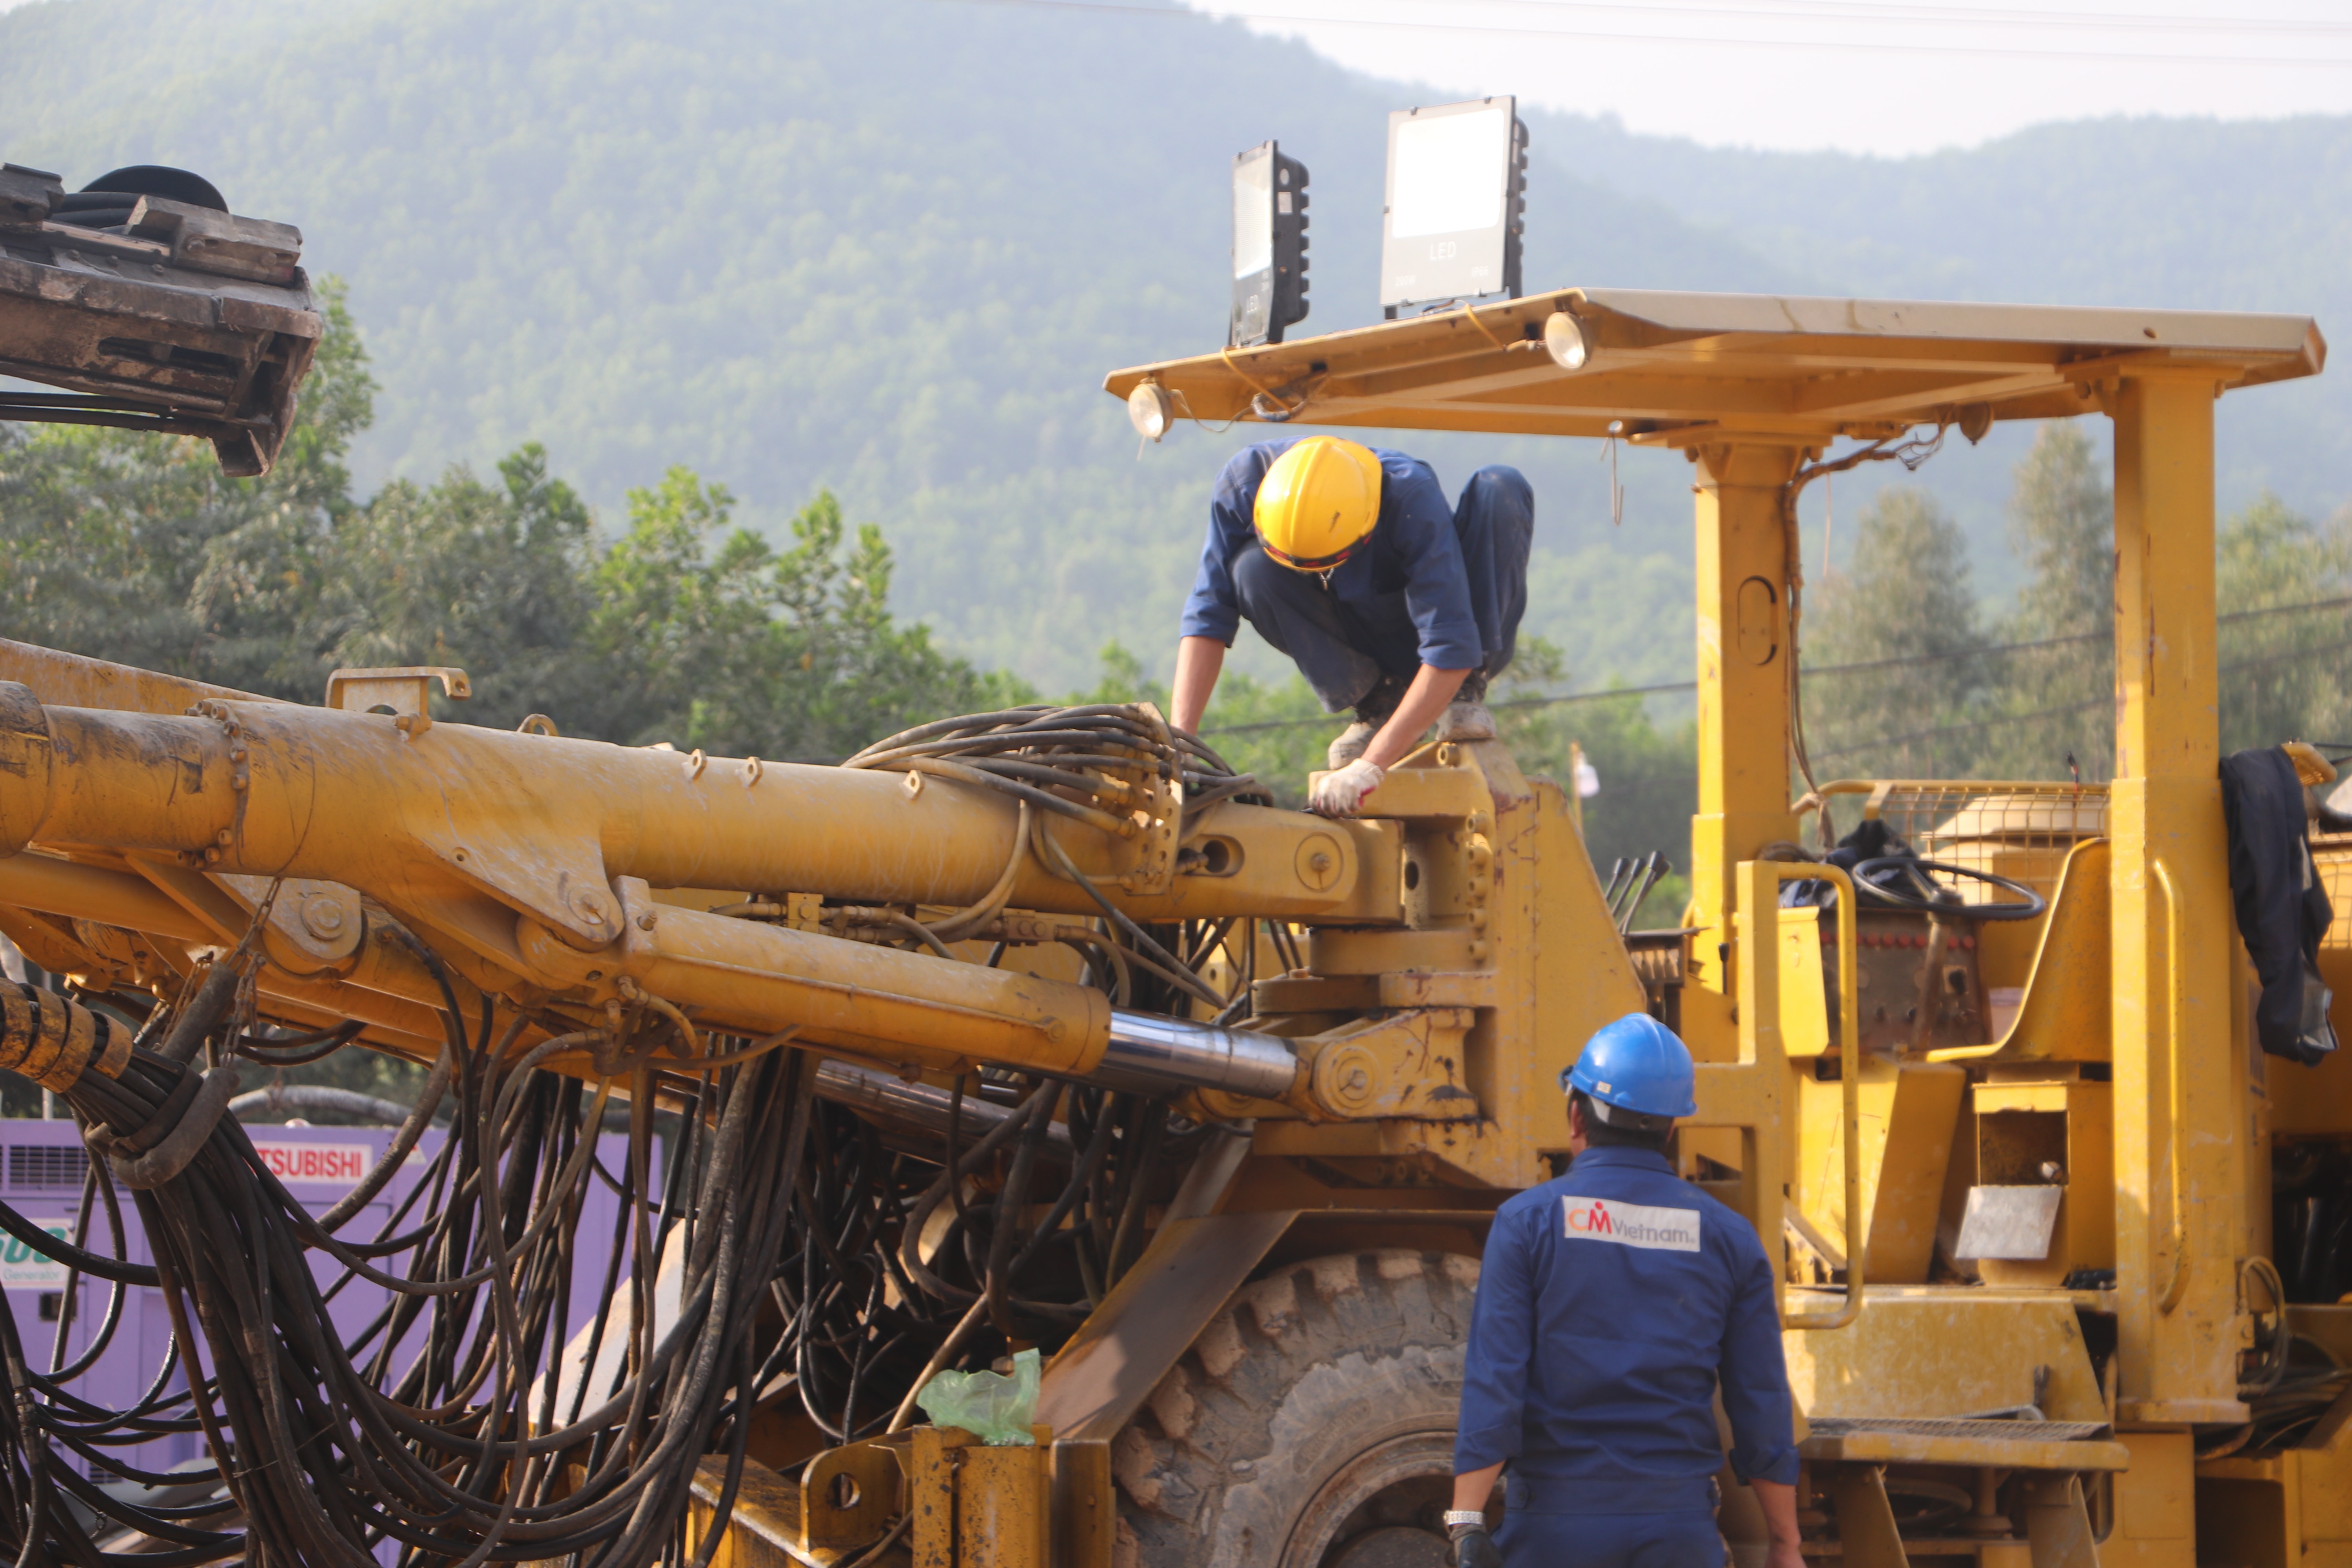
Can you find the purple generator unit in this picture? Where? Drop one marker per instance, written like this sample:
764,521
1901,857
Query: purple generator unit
42,1167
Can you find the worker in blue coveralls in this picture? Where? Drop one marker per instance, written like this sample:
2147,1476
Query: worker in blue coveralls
1390,601
1613,1301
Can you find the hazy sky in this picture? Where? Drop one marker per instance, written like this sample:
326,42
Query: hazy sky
1866,76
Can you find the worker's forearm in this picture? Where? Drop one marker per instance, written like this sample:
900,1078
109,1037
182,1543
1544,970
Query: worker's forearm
1198,662
1473,1488
1779,1505
1425,700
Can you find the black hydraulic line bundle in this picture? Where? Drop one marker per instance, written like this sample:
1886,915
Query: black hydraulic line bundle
802,1255
446,1425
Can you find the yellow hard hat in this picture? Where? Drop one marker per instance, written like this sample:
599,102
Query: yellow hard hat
1317,501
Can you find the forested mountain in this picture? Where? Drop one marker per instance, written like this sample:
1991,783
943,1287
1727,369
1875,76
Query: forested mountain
891,248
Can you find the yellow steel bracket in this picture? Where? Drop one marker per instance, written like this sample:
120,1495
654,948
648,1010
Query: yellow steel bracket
1408,1064
405,690
1764,926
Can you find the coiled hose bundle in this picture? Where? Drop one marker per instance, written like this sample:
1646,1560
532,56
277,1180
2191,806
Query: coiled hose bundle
818,1262
1063,762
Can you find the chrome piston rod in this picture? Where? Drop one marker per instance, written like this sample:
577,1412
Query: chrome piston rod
882,1096
1150,1054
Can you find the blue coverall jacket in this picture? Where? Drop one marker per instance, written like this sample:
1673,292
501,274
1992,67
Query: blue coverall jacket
1611,1304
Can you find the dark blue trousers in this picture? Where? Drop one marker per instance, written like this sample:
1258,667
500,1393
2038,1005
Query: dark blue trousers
1684,1540
1344,650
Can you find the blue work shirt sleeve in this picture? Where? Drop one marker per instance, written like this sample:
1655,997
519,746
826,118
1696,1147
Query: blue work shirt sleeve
1214,609
1437,585
1755,1376
1496,1363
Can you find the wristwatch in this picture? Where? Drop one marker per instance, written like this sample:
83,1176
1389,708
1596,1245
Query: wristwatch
1460,1516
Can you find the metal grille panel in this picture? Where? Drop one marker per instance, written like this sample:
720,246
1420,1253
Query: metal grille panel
48,1165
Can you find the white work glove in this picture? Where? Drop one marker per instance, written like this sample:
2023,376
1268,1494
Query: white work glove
1339,793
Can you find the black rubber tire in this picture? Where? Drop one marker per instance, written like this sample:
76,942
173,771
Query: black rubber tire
1324,1384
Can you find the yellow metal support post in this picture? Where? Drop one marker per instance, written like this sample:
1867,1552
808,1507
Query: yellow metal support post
1743,692
1764,919
2176,1221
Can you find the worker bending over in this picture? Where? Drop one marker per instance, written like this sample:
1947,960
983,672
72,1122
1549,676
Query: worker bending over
1611,1304
1392,603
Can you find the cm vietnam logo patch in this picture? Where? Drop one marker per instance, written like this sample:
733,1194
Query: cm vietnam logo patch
1631,1225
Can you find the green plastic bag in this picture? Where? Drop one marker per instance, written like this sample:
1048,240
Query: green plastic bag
995,1408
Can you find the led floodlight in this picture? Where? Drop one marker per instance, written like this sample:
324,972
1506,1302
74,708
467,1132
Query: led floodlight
1456,204
1269,244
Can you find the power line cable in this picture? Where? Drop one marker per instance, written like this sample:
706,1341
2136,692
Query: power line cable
2099,701
2114,57
1895,15
1970,728
1903,661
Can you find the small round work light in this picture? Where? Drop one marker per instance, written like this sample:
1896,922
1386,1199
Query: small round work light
1564,340
1150,410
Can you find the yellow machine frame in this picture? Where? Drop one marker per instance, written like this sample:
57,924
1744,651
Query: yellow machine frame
1751,388
1458,949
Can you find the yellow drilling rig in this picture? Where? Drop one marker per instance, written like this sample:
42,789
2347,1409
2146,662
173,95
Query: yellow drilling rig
2008,1128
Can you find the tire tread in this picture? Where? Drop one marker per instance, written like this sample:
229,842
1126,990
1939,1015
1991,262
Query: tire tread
1222,1454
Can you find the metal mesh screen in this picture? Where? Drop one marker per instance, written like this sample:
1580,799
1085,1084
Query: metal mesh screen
2331,856
2021,831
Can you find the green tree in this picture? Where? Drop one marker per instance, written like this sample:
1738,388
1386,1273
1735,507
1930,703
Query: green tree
492,578
136,548
1647,772
1907,606
746,649
2282,666
2056,700
129,547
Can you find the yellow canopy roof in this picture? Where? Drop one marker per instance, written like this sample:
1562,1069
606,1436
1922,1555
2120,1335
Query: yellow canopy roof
1678,368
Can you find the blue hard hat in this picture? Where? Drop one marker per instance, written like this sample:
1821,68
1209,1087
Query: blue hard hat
1635,1064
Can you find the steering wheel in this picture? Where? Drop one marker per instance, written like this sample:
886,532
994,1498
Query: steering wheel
1917,889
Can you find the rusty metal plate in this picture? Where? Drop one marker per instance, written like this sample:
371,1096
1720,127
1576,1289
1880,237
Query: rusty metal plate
1150,1318
198,323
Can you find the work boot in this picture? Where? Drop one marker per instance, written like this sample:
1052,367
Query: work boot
1353,742
1371,712
1466,721
1467,718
